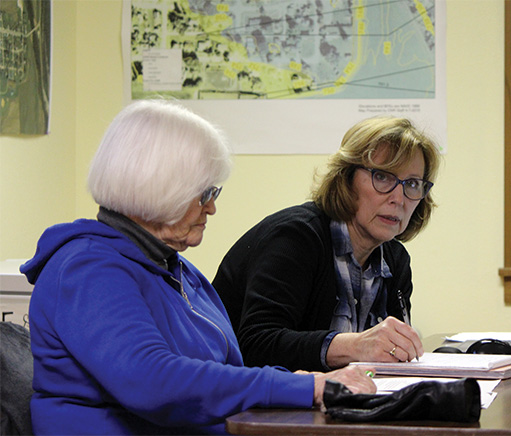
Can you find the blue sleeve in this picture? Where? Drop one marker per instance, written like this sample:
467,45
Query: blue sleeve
106,324
324,349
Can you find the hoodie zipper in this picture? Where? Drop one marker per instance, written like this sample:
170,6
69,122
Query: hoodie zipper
185,296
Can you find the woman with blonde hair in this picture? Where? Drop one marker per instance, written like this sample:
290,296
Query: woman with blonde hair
322,284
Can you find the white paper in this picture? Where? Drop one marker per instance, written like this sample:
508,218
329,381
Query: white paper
476,336
448,361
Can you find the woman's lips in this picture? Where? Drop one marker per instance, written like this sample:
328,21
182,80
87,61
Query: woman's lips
390,219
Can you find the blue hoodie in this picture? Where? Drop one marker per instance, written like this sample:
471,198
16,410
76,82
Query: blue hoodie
119,350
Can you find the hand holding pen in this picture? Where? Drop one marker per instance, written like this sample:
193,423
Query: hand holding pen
391,340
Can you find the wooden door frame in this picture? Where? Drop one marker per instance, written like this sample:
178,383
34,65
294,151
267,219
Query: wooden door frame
505,272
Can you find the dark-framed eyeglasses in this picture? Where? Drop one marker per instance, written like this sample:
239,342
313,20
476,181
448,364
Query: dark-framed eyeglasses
385,182
211,193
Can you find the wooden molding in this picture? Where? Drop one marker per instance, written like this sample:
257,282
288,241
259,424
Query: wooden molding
505,272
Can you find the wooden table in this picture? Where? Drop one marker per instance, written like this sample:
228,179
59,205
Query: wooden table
496,420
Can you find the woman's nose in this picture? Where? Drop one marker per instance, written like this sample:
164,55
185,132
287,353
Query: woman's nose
210,207
397,195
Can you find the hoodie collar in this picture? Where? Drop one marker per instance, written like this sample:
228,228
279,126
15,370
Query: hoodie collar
154,249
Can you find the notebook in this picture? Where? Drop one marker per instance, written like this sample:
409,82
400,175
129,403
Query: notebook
483,366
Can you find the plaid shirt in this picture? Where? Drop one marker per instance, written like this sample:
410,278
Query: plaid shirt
357,289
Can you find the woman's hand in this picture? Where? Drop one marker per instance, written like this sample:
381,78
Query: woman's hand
389,341
355,378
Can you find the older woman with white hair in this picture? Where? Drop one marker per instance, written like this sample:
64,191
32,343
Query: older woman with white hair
128,337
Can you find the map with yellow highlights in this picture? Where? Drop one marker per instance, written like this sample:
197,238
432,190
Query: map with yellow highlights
283,49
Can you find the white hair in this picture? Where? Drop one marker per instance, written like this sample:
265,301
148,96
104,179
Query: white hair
155,158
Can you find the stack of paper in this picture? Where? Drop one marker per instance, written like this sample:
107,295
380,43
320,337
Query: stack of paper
482,366
476,336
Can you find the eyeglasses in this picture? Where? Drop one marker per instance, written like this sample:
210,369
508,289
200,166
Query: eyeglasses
385,182
211,193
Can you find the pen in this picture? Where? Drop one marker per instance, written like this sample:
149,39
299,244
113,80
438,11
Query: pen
404,310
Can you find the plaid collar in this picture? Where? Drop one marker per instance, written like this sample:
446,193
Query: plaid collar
341,242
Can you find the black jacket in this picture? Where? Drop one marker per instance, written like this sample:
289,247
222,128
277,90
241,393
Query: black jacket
278,284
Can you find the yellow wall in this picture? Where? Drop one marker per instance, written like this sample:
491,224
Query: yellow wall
37,174
455,261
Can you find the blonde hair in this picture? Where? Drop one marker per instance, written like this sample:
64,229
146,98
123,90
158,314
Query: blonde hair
155,157
333,192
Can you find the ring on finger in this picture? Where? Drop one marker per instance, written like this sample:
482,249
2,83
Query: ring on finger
393,352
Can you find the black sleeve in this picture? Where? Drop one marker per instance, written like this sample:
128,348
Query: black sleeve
398,260
280,297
